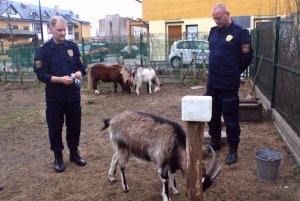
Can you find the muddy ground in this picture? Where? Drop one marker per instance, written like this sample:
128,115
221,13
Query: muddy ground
26,170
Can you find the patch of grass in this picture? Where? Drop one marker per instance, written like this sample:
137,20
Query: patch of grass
19,117
90,102
279,136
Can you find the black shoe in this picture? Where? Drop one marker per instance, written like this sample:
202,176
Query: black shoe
232,156
58,162
215,143
75,157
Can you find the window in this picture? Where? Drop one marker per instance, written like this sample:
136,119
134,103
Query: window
37,27
26,28
191,32
76,36
182,45
14,26
244,21
70,30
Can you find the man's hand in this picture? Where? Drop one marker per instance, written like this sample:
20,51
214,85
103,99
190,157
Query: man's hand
67,80
78,75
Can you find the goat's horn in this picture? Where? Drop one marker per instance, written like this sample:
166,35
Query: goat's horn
212,171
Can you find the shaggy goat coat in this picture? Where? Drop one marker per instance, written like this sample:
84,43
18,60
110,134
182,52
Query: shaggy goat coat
150,138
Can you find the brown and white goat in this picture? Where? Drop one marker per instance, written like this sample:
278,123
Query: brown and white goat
148,75
151,138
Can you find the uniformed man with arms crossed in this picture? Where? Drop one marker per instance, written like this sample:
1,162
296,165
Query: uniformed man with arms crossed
58,64
230,54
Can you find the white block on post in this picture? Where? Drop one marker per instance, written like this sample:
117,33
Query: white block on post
196,108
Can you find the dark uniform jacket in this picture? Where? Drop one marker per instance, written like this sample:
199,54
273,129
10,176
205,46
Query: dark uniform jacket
230,54
58,60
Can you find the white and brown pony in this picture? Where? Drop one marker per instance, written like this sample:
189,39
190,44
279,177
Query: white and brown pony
148,75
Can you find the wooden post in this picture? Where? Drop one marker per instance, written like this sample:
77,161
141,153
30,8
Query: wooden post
196,110
204,74
5,74
21,76
89,77
181,68
195,68
194,161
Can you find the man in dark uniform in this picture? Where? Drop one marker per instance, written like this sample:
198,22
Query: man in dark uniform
58,64
230,54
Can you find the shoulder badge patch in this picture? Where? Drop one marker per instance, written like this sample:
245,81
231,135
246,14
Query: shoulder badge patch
229,38
245,48
37,63
70,52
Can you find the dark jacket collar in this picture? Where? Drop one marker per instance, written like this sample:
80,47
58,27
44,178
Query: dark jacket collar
52,44
225,29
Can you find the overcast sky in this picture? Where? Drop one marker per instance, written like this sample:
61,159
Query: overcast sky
93,10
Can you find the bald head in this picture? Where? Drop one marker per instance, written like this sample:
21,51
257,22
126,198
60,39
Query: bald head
220,6
57,27
221,15
54,20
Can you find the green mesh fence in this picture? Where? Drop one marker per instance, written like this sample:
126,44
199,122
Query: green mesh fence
278,77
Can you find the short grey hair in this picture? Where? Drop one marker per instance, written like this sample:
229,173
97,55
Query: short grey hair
56,19
221,6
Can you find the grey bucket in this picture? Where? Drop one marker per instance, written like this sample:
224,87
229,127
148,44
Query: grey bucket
267,165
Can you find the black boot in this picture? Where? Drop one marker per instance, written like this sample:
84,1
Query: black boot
215,143
232,156
58,162
75,157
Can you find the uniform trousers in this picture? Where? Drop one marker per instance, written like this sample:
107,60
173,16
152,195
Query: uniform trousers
58,112
225,102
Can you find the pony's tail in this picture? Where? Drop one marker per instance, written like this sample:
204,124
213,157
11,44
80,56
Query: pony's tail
106,123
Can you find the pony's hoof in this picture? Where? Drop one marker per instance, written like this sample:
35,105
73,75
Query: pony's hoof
111,178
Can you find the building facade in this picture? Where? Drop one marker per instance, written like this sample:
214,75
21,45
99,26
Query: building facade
22,23
191,19
116,26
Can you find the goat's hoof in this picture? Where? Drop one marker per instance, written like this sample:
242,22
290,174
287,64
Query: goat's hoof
112,178
175,192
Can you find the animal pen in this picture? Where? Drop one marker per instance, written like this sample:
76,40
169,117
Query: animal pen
278,77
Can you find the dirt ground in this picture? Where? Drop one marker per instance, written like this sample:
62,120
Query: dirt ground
26,170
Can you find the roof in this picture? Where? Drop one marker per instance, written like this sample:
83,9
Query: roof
30,11
16,32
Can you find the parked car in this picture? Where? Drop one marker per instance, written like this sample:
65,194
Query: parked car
93,51
187,47
133,52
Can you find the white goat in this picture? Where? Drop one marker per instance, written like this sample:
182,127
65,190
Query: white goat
151,138
145,74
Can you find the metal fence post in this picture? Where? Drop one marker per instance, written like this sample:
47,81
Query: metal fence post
275,62
196,110
141,48
181,68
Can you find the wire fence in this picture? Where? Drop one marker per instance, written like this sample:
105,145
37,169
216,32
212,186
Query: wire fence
277,45
145,50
